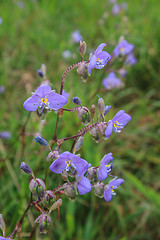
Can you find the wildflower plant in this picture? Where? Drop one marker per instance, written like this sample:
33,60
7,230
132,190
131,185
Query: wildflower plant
78,176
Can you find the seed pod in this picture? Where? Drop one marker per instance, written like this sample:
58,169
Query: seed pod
99,189
82,48
70,191
37,187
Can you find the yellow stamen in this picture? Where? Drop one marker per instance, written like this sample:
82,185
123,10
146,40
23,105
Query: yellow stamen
99,60
122,49
107,165
67,163
116,125
44,100
112,190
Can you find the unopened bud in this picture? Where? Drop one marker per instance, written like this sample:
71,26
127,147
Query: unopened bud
99,189
84,115
45,222
92,174
106,110
82,48
25,168
78,144
37,187
49,198
2,224
42,71
52,155
93,110
76,100
82,70
101,106
64,175
70,191
56,205
41,141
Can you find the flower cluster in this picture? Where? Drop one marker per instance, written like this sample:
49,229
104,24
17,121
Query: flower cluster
78,176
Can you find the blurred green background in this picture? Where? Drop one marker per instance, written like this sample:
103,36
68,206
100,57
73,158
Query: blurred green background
34,32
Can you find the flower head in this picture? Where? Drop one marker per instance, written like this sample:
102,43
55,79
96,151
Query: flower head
68,160
83,185
5,135
117,123
76,37
109,189
105,167
99,59
44,97
111,81
131,60
123,48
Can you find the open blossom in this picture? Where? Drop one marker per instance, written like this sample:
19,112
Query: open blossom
123,48
46,98
131,60
99,59
109,189
83,185
76,37
117,123
105,167
111,81
67,160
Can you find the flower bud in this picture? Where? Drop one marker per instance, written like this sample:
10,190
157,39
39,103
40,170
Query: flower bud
25,168
2,224
37,187
41,141
84,115
92,174
82,48
93,110
78,144
101,106
40,73
76,100
56,205
99,189
82,70
70,191
64,175
52,155
45,222
106,110
49,198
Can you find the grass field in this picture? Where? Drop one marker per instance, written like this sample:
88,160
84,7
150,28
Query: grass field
38,32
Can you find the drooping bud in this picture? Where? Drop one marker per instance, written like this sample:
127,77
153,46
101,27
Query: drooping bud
2,224
41,141
49,198
101,106
25,168
64,175
84,115
52,155
70,191
82,70
82,48
92,174
93,110
42,112
45,222
78,144
37,187
76,100
99,189
106,110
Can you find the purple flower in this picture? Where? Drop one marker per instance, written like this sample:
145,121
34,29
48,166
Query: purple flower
66,54
117,123
65,94
116,9
109,189
5,135
83,185
44,97
2,238
2,89
107,109
67,160
105,167
122,72
76,37
1,20
99,59
123,48
41,141
131,60
111,81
